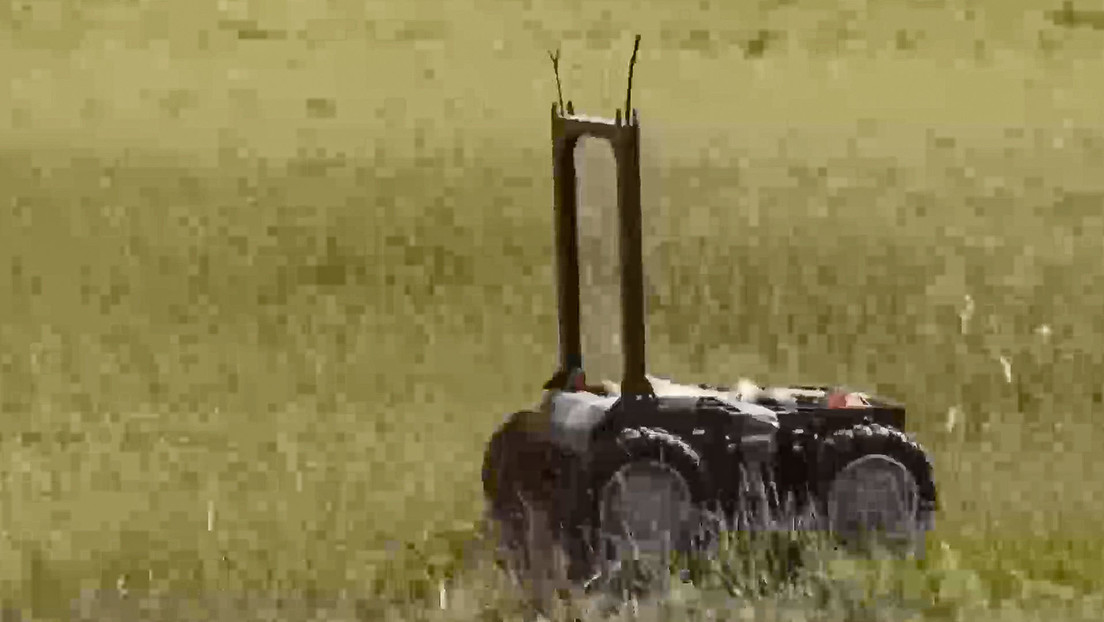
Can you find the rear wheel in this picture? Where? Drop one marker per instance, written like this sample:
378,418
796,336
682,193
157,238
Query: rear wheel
650,488
520,481
526,480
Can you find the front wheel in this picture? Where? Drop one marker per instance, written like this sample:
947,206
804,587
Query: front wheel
873,481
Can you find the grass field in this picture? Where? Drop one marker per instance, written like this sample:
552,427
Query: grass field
271,272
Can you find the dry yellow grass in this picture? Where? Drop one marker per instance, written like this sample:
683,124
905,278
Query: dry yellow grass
262,300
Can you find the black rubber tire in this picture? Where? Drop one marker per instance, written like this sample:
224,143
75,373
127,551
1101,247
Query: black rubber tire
520,468
524,477
499,489
514,465
647,444
843,447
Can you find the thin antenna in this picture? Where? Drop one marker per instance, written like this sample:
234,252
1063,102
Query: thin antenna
556,69
628,92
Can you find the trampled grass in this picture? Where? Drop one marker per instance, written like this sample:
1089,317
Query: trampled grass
252,344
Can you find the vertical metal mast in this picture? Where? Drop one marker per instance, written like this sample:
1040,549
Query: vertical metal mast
624,138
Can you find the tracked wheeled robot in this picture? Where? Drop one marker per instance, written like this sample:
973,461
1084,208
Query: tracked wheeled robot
646,461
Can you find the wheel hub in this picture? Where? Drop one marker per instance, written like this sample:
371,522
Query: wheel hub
873,495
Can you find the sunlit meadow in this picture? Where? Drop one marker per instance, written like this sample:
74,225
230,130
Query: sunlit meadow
272,272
